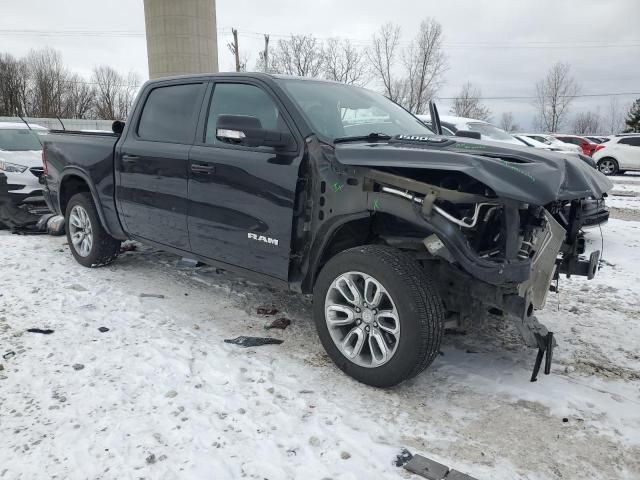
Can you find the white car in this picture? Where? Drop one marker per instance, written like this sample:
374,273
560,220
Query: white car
619,154
486,130
553,142
563,149
21,161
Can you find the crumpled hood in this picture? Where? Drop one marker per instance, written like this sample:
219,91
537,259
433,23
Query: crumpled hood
519,173
29,158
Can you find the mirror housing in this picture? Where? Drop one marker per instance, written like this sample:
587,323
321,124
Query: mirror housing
117,127
247,130
469,134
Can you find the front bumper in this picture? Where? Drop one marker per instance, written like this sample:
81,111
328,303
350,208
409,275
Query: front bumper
25,187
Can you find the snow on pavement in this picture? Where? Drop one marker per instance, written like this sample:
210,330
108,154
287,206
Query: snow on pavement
160,395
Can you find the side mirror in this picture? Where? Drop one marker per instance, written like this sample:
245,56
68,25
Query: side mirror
247,130
117,127
468,134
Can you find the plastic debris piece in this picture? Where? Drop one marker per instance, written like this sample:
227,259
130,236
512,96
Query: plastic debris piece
279,323
403,457
456,475
45,331
151,295
244,341
426,468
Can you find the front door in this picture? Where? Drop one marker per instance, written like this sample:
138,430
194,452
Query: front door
241,198
153,165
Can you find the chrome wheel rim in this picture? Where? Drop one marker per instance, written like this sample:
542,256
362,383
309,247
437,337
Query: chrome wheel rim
607,167
80,231
362,319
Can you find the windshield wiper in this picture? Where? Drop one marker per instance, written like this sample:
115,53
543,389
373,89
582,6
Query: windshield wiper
359,138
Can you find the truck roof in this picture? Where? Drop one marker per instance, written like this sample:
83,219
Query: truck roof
259,75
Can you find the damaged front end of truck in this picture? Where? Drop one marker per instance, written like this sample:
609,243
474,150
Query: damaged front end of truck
494,225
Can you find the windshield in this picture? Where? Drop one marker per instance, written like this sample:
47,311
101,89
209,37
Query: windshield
489,131
337,110
18,140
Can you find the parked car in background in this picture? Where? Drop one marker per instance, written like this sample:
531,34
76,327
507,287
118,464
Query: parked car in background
486,130
553,141
21,162
597,139
588,147
619,154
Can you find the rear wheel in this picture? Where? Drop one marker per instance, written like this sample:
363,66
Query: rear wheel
90,244
378,315
608,166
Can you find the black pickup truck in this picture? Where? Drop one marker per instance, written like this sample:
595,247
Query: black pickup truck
333,190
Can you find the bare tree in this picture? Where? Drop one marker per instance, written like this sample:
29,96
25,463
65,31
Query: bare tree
127,94
468,103
13,85
425,63
554,95
49,80
507,123
586,123
301,55
79,98
383,55
114,92
344,63
614,121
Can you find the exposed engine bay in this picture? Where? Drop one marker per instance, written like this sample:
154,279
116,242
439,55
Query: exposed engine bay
537,243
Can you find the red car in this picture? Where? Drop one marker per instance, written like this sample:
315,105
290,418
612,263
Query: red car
588,147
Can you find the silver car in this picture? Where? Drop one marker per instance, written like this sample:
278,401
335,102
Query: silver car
21,162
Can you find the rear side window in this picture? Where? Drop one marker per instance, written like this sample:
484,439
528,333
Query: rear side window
242,99
170,114
633,141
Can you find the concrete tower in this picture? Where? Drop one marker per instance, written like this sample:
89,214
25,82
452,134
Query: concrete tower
181,37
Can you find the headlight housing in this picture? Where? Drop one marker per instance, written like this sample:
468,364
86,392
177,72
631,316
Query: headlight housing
11,167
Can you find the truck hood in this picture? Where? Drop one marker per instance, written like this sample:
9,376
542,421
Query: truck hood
519,173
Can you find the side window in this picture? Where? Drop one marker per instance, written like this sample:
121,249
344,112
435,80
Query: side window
170,114
242,99
633,141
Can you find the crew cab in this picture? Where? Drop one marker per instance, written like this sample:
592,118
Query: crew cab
331,190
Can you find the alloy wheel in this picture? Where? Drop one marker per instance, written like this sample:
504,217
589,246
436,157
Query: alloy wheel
80,231
362,319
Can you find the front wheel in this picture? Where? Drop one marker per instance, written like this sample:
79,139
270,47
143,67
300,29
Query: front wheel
90,244
378,315
608,166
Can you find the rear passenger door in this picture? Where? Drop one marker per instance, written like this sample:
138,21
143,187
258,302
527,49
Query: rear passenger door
630,153
241,198
152,163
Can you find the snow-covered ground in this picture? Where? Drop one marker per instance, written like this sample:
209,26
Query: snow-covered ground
161,396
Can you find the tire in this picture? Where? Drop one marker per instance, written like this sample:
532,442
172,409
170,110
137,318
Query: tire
608,166
102,249
406,287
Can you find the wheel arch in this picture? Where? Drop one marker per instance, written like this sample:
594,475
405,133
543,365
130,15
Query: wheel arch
75,181
345,232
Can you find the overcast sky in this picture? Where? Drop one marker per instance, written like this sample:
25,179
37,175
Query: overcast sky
508,44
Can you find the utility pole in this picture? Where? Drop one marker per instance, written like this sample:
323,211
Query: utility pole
233,47
265,55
